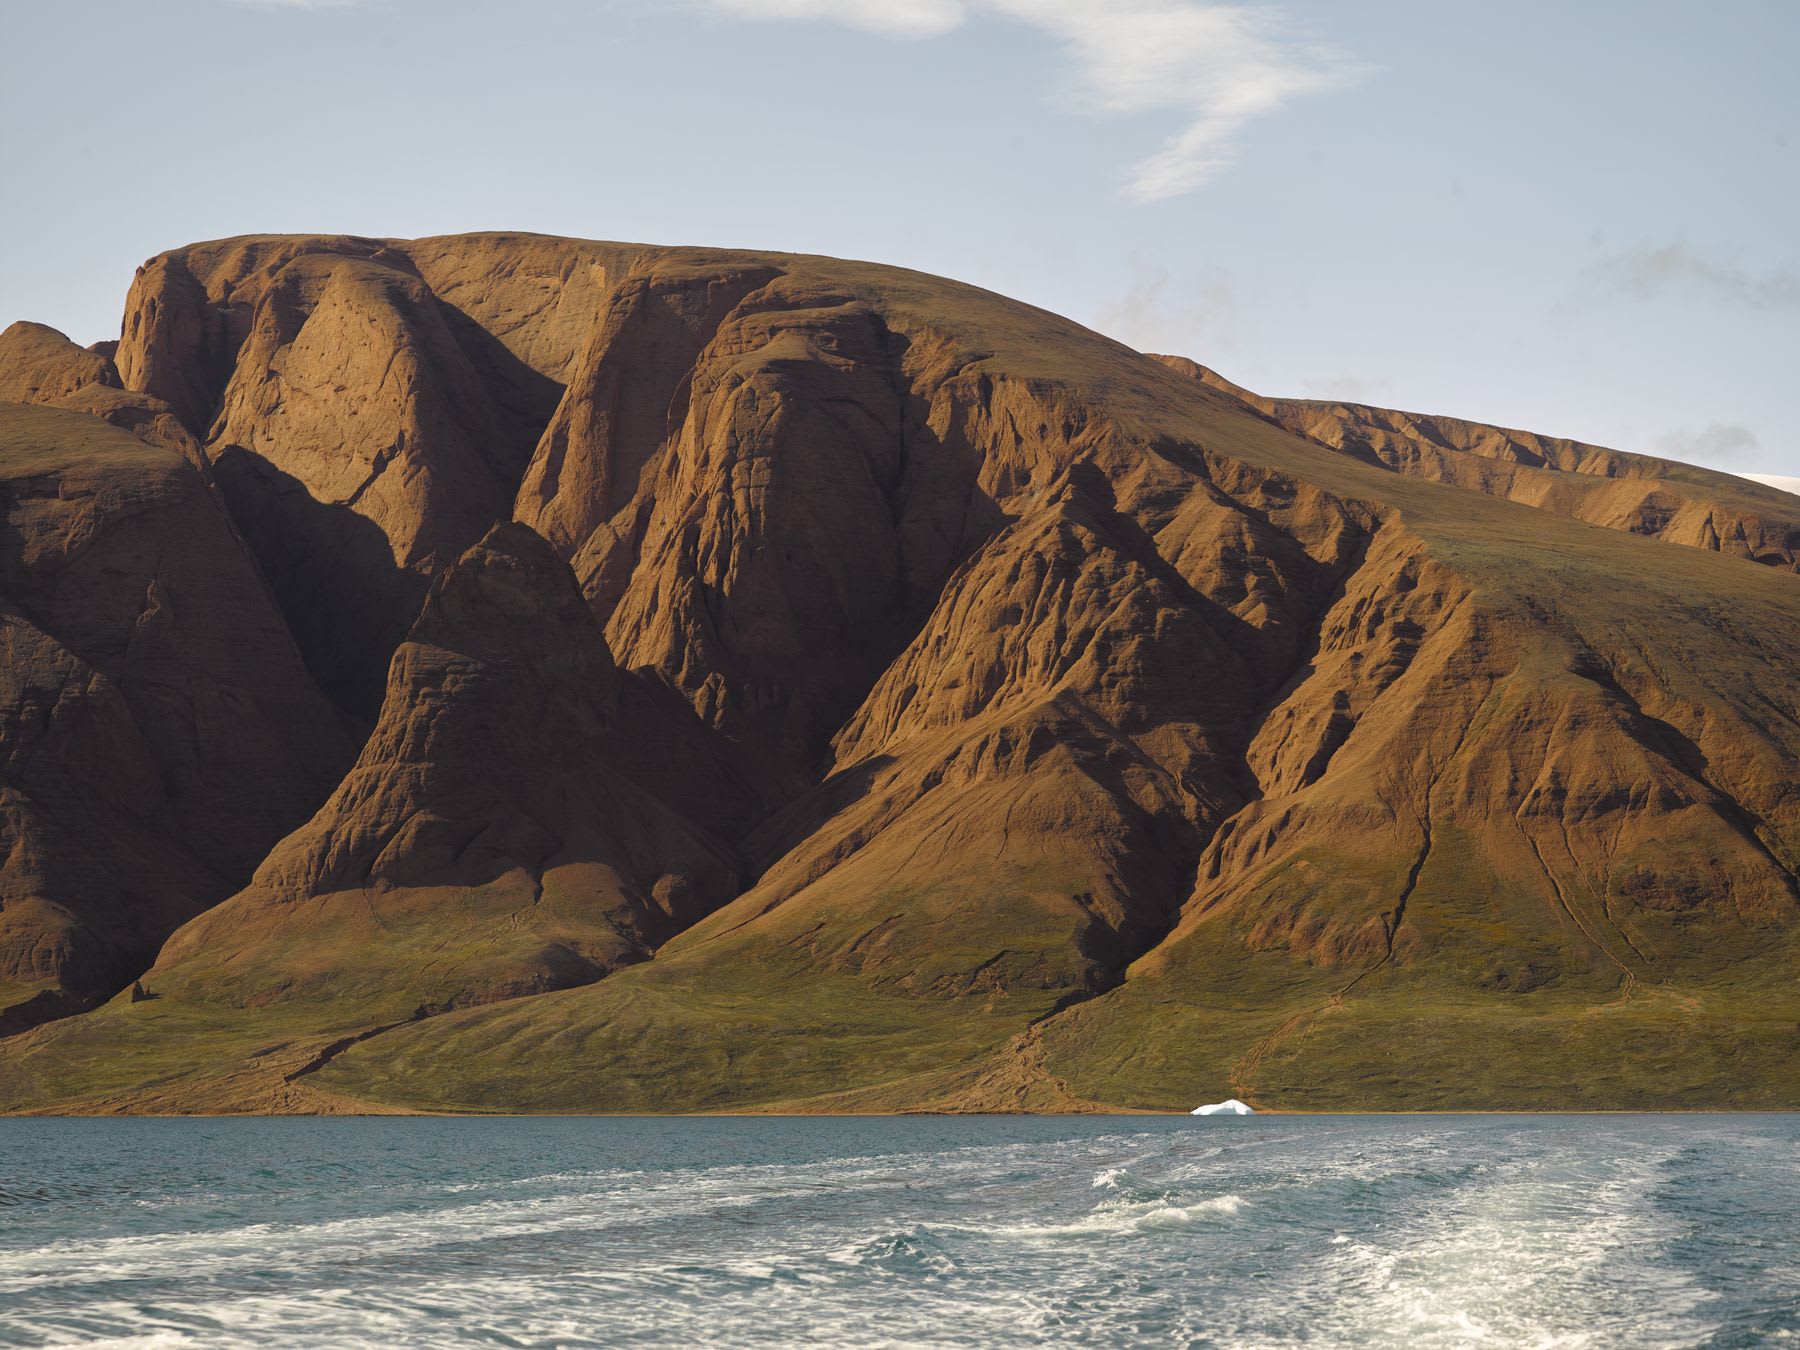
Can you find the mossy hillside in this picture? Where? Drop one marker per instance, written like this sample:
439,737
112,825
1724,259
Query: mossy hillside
782,1006
653,1038
1437,1026
166,1055
426,947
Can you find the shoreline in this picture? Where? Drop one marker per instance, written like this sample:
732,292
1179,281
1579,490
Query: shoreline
1123,1113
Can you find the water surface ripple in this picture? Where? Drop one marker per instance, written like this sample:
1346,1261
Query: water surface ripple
974,1231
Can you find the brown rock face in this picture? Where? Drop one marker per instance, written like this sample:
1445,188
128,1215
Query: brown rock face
363,430
814,683
149,419
159,731
627,397
40,365
763,480
488,842
361,451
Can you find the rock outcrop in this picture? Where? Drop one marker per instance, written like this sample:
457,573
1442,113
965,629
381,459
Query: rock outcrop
40,365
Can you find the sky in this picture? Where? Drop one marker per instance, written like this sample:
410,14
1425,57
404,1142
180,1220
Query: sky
1581,217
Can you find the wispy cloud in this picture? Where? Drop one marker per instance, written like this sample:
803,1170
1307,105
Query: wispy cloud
1219,66
893,18
1646,273
1721,441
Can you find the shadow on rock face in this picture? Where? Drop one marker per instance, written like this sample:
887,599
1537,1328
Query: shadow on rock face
346,601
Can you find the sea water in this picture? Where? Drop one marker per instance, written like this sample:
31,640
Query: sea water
979,1231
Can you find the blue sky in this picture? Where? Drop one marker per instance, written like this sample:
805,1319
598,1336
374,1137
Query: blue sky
1579,218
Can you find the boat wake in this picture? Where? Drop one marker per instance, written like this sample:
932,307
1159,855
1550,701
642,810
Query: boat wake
1582,1234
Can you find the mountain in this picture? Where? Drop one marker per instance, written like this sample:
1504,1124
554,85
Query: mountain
787,683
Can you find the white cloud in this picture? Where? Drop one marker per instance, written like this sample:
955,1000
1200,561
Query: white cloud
1217,65
1220,65
892,18
1645,273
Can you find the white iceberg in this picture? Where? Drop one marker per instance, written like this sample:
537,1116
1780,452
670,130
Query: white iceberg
1230,1107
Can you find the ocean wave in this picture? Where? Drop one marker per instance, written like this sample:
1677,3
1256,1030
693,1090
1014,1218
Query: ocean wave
916,1251
1128,1217
1127,1187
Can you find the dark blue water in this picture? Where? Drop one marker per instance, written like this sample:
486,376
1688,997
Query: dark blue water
1513,1231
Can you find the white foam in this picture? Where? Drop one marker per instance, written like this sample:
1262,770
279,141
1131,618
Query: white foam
1530,1257
1125,1218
